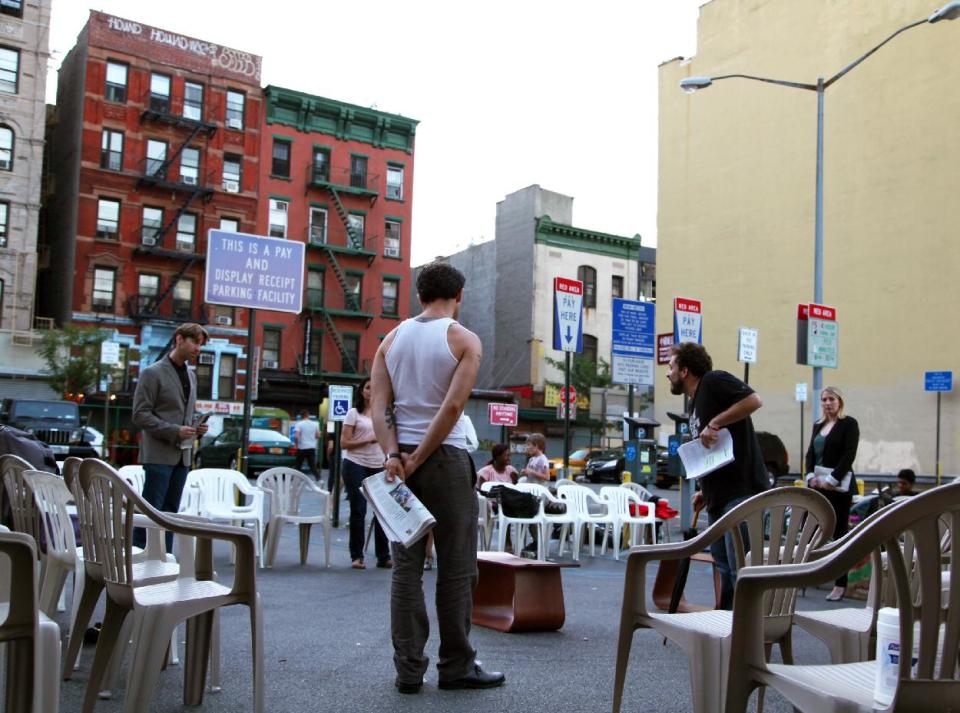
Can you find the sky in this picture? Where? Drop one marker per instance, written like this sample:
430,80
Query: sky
508,93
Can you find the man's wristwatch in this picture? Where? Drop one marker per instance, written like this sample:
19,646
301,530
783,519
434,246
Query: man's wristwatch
391,456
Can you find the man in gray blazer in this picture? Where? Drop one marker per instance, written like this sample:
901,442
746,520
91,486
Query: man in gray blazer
163,405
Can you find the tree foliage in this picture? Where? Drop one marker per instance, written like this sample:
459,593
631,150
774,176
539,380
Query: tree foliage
72,356
584,373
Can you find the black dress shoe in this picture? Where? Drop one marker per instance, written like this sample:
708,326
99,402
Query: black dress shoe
408,687
477,678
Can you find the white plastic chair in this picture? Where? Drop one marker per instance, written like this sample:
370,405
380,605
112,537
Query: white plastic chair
579,499
158,608
619,500
32,639
484,521
519,524
217,489
646,496
286,486
134,476
549,520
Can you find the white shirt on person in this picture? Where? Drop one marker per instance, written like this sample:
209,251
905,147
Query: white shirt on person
308,433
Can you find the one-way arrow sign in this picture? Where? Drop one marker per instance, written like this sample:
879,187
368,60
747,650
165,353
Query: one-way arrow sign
567,315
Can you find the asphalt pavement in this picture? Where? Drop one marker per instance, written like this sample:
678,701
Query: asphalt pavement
327,646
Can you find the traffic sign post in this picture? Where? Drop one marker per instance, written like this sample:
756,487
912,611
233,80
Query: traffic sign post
801,398
938,381
255,272
747,350
339,401
568,338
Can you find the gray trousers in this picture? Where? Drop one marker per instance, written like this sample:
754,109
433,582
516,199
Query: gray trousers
445,484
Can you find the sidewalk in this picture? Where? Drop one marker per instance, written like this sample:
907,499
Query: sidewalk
327,647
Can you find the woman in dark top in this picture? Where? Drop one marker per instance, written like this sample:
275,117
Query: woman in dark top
833,448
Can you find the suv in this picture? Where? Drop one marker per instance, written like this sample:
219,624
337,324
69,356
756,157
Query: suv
56,423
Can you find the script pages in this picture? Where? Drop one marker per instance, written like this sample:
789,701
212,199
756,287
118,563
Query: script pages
402,516
698,460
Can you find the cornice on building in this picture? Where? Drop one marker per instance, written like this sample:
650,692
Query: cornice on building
310,113
589,241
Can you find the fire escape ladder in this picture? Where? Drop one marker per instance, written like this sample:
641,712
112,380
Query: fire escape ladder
338,340
176,217
173,157
344,218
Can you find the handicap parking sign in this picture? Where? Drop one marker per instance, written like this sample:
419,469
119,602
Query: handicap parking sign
340,399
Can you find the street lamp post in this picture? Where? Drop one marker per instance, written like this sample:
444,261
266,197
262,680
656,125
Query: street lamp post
950,11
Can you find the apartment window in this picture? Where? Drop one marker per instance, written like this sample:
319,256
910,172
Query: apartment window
183,299
151,224
395,182
316,350
231,225
314,289
318,225
321,165
281,159
270,352
223,315
226,376
12,7
193,101
6,148
187,232
278,218
104,284
4,223
236,102
156,158
116,86
356,226
160,93
589,348
2,293
190,166
231,172
354,292
111,150
351,356
204,373
616,286
391,238
648,280
9,69
588,276
108,218
148,287
391,290
358,171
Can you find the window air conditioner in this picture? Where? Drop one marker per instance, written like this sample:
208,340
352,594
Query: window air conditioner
224,320
234,122
268,364
206,358
188,180
231,186
149,240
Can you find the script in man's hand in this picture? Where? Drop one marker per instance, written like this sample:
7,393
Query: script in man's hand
698,460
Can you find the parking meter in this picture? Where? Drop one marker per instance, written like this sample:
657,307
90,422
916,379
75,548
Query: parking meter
640,449
681,422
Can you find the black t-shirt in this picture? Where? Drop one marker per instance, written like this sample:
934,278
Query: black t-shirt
184,379
746,475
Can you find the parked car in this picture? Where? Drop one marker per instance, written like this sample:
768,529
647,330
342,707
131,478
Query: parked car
56,423
266,449
606,466
578,461
94,439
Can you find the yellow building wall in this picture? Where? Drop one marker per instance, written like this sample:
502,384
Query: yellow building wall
736,211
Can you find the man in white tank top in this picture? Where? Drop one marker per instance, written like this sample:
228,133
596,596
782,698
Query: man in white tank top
422,376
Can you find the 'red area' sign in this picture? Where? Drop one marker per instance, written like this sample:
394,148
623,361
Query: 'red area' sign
502,414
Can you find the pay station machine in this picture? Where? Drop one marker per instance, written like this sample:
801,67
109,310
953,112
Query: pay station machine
681,435
640,449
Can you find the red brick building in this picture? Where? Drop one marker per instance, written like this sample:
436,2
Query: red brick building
155,140
338,177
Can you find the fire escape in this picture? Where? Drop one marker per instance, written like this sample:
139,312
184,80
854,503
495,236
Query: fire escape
185,189
319,176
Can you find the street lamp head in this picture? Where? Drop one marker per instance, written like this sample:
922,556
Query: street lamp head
692,84
950,11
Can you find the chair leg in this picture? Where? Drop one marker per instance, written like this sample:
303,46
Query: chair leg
326,542
304,542
149,653
128,635
113,620
624,642
256,636
215,653
22,675
197,657
54,579
47,668
271,541
86,604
